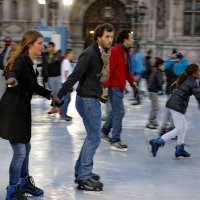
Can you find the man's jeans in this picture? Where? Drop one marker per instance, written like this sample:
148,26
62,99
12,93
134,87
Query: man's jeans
19,166
66,99
114,119
90,111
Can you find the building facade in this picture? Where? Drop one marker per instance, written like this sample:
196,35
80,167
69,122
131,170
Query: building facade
164,24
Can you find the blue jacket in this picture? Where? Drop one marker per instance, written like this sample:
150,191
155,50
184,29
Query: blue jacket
137,62
178,68
172,70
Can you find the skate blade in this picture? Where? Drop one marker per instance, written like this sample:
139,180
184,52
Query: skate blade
181,158
117,149
149,147
92,192
152,130
88,191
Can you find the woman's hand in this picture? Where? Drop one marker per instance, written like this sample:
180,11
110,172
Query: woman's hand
11,82
55,98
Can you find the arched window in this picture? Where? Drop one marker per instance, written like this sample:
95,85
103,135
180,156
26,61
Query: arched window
14,10
192,18
1,9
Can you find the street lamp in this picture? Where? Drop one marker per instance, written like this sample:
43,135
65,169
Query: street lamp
137,10
68,2
41,1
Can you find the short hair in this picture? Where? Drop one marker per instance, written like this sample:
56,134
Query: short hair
158,61
52,44
122,35
67,51
98,32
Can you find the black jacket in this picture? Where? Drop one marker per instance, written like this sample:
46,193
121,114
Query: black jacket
86,72
180,96
155,80
15,105
51,66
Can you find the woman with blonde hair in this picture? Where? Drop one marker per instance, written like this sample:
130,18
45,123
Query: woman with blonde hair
15,112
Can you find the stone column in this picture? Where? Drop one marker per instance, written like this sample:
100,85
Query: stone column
6,10
170,15
152,20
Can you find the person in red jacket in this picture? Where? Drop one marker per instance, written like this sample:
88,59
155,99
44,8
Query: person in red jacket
120,71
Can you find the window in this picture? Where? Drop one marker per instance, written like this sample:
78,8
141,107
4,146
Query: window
192,18
14,10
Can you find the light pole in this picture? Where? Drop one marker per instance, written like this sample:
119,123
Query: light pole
137,10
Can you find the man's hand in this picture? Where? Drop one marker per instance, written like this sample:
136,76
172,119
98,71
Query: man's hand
104,97
58,102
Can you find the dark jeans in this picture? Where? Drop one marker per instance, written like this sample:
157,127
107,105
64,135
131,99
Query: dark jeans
90,111
115,117
66,99
19,166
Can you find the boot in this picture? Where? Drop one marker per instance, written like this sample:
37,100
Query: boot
90,185
181,152
14,192
28,187
155,144
94,176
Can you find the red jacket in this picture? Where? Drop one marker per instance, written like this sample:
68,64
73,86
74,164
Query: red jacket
118,69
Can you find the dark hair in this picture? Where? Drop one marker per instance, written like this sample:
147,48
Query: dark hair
158,61
122,35
189,71
67,51
98,32
52,44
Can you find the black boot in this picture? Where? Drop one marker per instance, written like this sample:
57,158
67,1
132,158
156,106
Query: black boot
14,192
28,186
90,185
181,152
94,176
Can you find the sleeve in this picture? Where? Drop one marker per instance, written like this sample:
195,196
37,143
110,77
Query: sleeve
130,78
42,91
196,91
76,75
16,71
159,78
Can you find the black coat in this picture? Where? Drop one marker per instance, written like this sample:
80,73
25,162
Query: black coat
15,105
180,96
155,80
86,72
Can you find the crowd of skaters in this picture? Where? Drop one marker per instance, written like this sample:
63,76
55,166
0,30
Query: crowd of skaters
102,73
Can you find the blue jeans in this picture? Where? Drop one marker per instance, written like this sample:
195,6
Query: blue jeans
90,111
114,119
19,166
67,99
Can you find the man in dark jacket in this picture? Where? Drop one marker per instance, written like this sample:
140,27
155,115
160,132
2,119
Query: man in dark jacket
51,71
155,83
88,72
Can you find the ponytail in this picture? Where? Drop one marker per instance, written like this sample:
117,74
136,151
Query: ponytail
181,78
189,71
